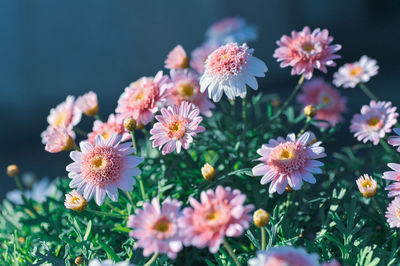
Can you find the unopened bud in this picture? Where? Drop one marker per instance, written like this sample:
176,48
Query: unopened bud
289,189
12,170
75,201
131,124
261,218
310,111
208,172
79,260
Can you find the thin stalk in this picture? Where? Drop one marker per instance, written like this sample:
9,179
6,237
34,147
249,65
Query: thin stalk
80,132
376,205
308,121
153,259
244,112
134,142
97,117
263,238
367,91
130,198
140,180
385,146
230,251
107,214
112,207
19,184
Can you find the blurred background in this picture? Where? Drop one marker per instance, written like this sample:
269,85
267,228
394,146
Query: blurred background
50,49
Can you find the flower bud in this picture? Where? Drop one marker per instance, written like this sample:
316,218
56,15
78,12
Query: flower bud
79,260
208,172
276,102
131,124
21,239
88,104
310,111
261,218
75,201
289,189
367,186
12,170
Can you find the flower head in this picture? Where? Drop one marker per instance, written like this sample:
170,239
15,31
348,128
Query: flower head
367,186
176,127
220,213
114,124
75,201
350,75
231,29
289,161
260,218
59,139
395,140
284,256
321,94
156,227
306,50
186,88
103,168
374,121
200,54
208,172
177,58
394,189
393,213
228,69
88,104
12,170
142,98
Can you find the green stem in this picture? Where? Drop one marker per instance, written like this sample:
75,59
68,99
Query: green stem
230,251
134,142
308,121
244,112
376,205
367,91
97,117
263,238
291,96
141,185
153,259
19,184
106,214
385,146
130,198
80,132
112,207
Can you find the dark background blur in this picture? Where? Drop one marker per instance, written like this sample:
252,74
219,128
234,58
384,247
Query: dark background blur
50,49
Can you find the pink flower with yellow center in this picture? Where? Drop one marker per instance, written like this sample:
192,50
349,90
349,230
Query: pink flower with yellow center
186,88
394,189
228,69
88,104
199,56
176,127
349,75
284,256
102,168
367,186
114,124
395,140
393,213
289,161
321,94
374,121
156,228
177,58
305,51
231,29
221,213
59,139
75,201
142,98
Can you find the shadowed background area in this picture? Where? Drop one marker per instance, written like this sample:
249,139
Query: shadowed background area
52,49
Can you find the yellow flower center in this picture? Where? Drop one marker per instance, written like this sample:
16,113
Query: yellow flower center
98,162
308,47
325,100
186,90
398,213
162,225
366,184
105,135
356,71
75,200
286,154
212,216
177,129
59,121
374,121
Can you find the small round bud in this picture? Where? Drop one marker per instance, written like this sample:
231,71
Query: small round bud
261,218
21,239
12,170
75,201
208,172
289,189
276,102
79,260
310,111
130,124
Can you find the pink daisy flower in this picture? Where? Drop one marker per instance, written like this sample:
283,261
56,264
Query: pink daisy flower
395,140
220,213
176,127
393,213
186,88
232,29
306,50
142,98
59,139
200,54
349,75
285,255
88,104
156,227
114,124
374,121
177,58
321,94
228,69
289,161
394,189
103,168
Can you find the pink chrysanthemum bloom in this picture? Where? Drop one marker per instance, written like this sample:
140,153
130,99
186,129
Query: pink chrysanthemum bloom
367,186
229,69
220,213
200,54
321,94
66,114
186,88
349,75
59,139
177,58
306,50
88,104
374,121
282,256
289,161
176,127
395,140
232,29
156,227
114,124
394,189
393,213
103,168
141,99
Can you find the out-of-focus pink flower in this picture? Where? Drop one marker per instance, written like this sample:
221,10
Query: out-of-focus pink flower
186,88
231,29
142,98
305,51
220,213
349,75
289,161
199,56
394,189
331,263
156,228
88,104
177,58
176,127
321,94
395,140
58,139
374,121
114,124
282,256
393,213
